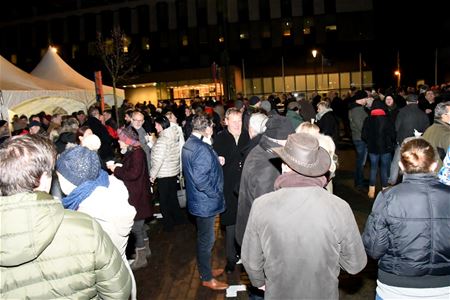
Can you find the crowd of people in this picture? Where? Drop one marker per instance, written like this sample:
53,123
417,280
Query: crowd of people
264,165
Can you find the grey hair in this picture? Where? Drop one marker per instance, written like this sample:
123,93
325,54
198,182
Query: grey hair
258,122
441,109
200,122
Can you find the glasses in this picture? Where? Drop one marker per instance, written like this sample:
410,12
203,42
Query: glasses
137,120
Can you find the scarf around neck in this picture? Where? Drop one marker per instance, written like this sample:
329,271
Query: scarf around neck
319,115
84,190
293,179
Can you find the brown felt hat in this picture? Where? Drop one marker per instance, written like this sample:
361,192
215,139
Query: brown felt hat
303,154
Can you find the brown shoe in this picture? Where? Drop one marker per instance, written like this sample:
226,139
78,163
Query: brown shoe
216,272
215,284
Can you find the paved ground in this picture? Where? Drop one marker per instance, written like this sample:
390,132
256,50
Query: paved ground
172,271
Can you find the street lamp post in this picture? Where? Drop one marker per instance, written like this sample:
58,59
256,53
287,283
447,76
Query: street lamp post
314,54
398,74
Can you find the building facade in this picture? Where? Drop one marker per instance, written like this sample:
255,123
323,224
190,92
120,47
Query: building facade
258,46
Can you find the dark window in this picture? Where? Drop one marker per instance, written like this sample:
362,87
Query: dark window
107,22
26,36
264,10
243,11
308,7
57,31
162,15
330,6
125,20
286,8
182,17
73,28
90,29
42,34
143,19
202,13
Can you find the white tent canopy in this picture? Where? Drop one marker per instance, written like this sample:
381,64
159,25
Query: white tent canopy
52,85
23,93
52,67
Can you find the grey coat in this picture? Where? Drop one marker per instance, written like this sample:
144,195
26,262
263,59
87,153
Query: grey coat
261,168
357,114
296,241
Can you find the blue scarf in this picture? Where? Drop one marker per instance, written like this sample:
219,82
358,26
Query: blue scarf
84,190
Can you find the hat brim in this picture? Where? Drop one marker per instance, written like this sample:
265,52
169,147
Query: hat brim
318,168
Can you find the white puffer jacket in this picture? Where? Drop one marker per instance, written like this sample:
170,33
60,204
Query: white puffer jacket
166,153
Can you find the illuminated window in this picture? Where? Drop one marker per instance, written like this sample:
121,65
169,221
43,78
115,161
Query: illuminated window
14,58
243,36
126,43
257,86
300,83
75,49
286,28
184,40
145,43
331,28
268,85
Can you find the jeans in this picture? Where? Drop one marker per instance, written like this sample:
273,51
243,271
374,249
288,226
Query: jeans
139,233
361,157
205,243
385,159
395,169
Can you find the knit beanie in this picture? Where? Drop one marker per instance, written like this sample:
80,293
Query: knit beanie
129,136
279,127
78,164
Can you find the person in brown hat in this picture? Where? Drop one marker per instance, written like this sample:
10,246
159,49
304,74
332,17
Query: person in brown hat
299,236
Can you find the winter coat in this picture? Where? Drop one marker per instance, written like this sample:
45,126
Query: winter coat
64,139
134,175
296,241
109,206
165,158
328,125
203,178
438,135
379,134
261,168
307,111
225,145
356,114
106,149
48,252
409,118
408,232
294,118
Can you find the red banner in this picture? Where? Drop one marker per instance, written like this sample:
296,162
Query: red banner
99,90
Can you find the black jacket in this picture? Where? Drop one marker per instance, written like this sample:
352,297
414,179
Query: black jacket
379,134
225,145
409,118
408,232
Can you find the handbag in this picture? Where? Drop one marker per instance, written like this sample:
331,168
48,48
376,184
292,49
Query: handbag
181,193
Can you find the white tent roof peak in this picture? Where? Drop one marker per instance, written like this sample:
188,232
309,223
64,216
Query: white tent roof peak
53,67
13,78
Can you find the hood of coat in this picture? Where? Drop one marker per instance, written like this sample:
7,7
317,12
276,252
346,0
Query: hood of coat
29,224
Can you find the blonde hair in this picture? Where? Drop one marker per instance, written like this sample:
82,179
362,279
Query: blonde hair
307,127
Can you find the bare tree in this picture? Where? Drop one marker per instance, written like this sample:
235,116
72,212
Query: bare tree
117,60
